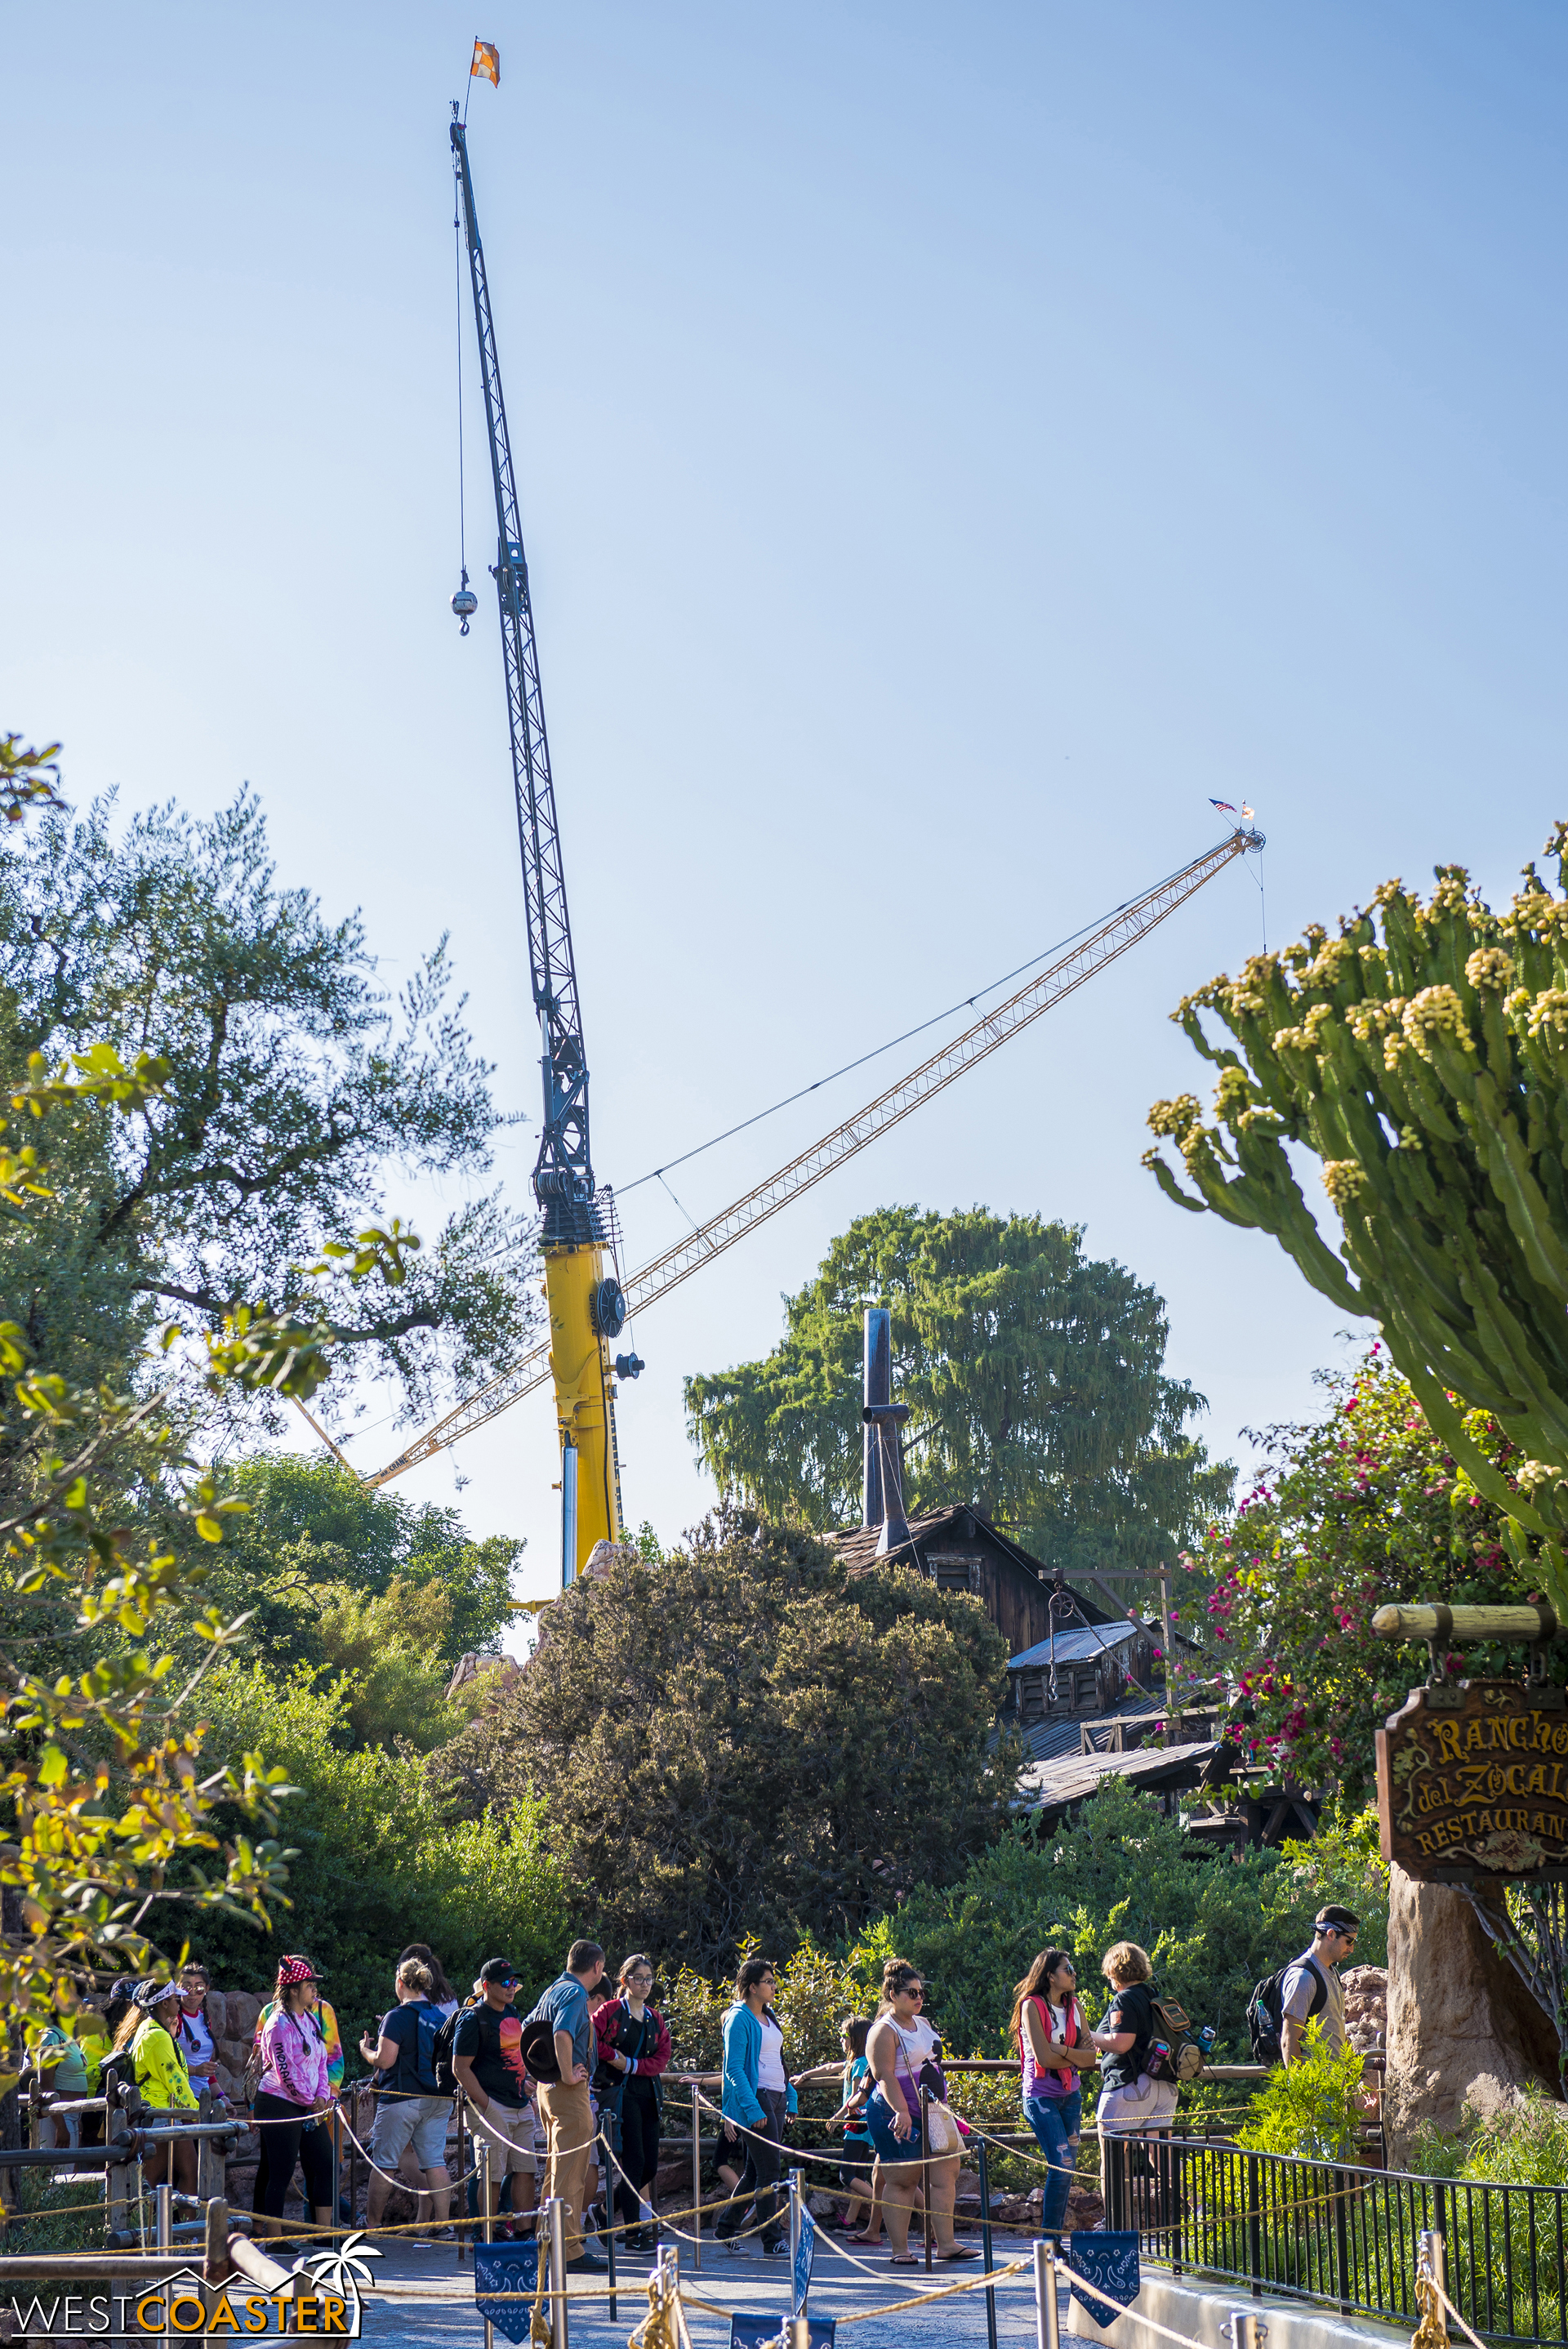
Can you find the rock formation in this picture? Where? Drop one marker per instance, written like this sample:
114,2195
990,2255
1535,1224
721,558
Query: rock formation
1463,2027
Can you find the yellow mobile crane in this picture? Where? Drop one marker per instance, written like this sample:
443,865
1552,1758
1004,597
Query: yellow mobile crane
577,1232
1113,937
588,1307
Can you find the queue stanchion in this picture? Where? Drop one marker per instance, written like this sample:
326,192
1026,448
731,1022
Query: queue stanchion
794,2233
1047,2317
482,2163
163,2208
985,2241
925,2169
354,2167
558,2324
610,2178
697,2178
335,2125
460,2100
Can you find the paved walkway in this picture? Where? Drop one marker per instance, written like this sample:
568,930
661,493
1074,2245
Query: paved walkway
424,2299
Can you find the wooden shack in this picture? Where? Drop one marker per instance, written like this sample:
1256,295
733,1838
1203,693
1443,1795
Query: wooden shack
958,1549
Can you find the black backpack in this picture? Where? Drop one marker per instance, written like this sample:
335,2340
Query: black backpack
429,2024
1265,2010
446,2079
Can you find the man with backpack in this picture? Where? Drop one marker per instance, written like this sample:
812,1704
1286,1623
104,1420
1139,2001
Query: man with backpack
1310,1985
410,2105
559,2050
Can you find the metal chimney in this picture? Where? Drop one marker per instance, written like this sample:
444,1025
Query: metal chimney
883,1421
878,1389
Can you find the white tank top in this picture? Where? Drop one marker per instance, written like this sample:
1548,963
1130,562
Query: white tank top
770,2063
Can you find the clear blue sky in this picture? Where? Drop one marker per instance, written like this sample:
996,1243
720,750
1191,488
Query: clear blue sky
953,444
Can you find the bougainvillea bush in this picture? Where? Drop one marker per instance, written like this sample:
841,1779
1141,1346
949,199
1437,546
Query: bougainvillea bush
1363,1506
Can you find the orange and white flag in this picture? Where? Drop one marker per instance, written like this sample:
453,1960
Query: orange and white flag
487,61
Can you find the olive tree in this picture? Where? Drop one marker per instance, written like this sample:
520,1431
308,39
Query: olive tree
294,1087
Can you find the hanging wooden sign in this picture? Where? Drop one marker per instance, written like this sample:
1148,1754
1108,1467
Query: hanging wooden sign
1472,1780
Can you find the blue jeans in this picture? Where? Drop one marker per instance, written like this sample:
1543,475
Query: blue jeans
1054,2120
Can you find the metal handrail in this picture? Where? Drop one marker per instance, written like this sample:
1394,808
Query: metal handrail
1345,2232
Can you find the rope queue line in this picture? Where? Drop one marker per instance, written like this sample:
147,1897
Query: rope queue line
665,2325
670,2294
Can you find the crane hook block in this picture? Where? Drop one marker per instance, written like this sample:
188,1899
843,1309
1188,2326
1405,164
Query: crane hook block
608,1308
465,604
629,1366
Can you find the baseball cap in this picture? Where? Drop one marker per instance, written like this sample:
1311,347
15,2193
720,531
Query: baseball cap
151,1994
498,1970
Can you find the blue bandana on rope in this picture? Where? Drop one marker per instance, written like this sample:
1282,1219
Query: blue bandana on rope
1109,2261
506,2268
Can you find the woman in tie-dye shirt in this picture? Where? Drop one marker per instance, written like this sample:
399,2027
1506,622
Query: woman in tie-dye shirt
294,2098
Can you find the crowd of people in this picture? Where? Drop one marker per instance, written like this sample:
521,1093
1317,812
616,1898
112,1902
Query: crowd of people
582,2073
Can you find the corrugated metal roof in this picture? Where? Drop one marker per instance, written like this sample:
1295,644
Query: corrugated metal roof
1050,1785
1076,1646
1049,1740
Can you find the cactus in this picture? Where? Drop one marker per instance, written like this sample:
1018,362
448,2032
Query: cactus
1423,1055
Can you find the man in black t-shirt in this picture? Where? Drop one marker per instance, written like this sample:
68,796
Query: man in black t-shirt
487,2058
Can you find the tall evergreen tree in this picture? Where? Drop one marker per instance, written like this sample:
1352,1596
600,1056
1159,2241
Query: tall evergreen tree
1035,1377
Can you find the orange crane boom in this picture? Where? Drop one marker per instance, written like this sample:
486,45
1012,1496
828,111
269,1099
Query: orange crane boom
1113,937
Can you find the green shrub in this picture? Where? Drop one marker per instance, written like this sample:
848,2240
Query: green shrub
1313,2109
814,1994
1524,2143
377,1865
1343,1864
1120,1871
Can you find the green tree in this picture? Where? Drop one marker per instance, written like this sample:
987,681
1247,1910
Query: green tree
113,1803
1358,1507
1035,1377
106,1789
744,1739
292,1085
1421,1055
312,1537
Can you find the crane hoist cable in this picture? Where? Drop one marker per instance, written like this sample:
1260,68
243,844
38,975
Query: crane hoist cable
654,1280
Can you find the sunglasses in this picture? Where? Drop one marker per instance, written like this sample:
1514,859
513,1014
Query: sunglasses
917,1993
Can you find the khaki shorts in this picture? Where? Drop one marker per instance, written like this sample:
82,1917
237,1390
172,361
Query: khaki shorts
509,2127
1145,2105
420,2121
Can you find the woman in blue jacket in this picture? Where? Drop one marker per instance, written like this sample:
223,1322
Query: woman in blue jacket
756,2098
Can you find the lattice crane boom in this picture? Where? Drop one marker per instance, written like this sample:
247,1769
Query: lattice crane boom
586,1309
655,1279
563,1169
